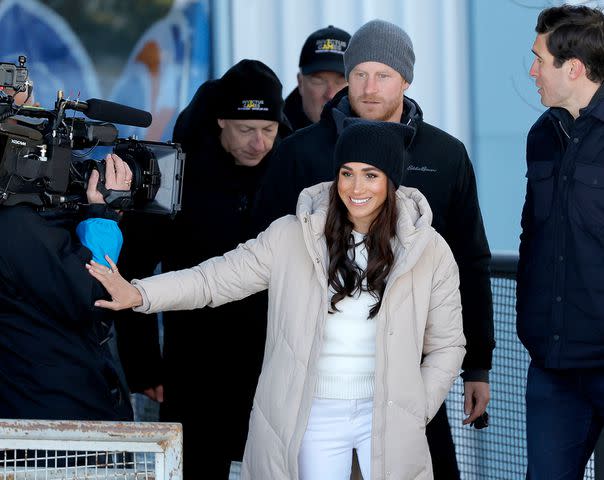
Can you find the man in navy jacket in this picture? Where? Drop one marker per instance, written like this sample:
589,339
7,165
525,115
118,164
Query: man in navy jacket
561,271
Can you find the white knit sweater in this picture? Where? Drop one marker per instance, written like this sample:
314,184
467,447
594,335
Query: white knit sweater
347,362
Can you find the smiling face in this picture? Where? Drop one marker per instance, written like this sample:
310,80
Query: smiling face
248,140
553,82
363,189
376,91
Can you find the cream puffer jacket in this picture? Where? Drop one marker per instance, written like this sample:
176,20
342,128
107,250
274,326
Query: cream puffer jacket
419,339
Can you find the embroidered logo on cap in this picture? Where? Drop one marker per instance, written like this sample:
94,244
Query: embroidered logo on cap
330,45
253,105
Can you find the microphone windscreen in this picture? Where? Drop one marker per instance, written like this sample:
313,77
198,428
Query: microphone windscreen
117,113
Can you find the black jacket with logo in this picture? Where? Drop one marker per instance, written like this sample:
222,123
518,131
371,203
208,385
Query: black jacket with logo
439,167
560,295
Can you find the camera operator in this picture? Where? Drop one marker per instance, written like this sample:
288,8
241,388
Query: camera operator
228,131
54,360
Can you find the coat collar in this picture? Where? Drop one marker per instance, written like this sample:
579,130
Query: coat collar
338,109
413,229
596,106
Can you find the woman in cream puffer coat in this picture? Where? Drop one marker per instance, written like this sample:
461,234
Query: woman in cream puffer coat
419,339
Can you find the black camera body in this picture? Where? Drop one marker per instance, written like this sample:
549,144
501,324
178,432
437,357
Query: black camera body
41,161
13,76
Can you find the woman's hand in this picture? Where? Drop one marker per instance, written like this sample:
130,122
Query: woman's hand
123,294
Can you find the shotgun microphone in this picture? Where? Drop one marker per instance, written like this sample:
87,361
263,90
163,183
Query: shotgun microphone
105,111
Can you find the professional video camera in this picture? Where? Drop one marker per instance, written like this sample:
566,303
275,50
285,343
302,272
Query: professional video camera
40,152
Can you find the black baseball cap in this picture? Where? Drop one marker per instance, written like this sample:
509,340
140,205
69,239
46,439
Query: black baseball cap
323,51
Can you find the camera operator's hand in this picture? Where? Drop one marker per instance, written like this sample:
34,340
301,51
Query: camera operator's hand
118,176
155,393
123,294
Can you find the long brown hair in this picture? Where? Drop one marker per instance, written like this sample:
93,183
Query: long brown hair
344,276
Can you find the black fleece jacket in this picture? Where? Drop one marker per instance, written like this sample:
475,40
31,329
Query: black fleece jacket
440,168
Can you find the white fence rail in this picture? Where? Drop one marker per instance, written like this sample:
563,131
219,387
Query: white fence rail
53,450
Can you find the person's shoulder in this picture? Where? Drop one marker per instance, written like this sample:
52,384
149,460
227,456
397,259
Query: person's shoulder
293,102
22,227
282,231
438,137
544,119
541,133
443,151
306,133
285,225
306,137
19,216
198,115
441,249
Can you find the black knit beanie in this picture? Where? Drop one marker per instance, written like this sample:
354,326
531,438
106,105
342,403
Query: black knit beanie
250,90
381,144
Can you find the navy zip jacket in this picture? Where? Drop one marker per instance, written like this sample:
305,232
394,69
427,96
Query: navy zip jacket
440,168
560,290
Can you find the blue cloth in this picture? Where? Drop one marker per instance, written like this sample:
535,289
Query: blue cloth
102,237
564,417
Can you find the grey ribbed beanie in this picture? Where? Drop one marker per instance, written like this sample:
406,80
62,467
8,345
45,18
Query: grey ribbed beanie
384,42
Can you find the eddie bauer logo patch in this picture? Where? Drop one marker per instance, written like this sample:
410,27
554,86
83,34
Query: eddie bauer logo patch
413,168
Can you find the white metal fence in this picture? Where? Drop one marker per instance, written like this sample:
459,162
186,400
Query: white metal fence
52,450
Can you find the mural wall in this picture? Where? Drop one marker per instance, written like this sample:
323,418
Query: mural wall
148,54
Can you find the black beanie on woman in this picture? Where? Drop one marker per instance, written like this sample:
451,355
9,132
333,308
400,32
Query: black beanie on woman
381,144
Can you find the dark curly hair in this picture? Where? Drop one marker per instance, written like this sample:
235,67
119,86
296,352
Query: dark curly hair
575,32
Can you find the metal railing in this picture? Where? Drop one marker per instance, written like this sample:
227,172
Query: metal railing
499,451
94,450
61,450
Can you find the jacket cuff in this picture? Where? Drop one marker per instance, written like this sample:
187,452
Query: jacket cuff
475,375
100,210
144,308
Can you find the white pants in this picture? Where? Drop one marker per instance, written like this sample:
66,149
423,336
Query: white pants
334,428
235,471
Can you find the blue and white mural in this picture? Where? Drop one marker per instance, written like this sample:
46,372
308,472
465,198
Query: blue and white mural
159,74
56,58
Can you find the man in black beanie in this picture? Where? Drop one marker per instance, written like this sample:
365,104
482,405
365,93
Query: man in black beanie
379,63
321,76
228,130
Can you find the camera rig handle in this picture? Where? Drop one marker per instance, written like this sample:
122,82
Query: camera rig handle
118,199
